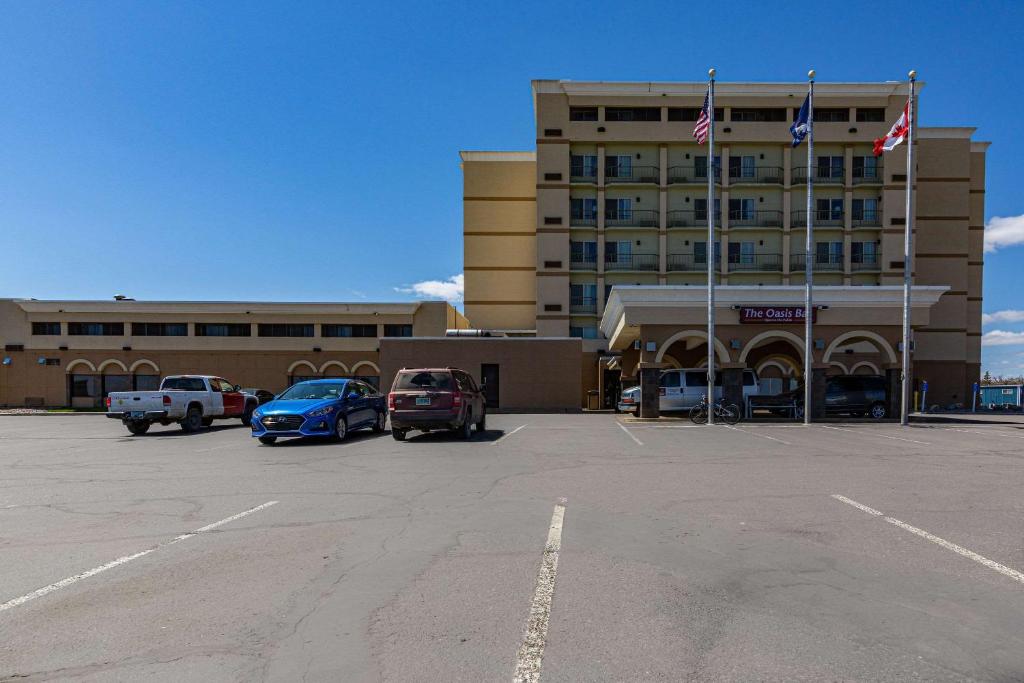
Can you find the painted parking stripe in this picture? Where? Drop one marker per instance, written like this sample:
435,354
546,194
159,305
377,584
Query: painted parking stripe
64,583
505,436
630,434
531,652
959,550
991,433
757,434
869,433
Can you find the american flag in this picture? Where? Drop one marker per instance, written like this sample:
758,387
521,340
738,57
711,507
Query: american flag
700,131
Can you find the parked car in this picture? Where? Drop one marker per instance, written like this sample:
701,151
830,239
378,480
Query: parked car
320,407
430,399
262,395
855,395
682,389
193,401
629,401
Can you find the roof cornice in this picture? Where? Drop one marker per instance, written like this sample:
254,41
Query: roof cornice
697,88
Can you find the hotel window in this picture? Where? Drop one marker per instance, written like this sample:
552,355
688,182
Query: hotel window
583,332
829,252
739,209
159,329
830,209
46,328
740,167
97,329
865,209
830,167
632,113
865,167
700,208
348,330
870,114
741,252
223,330
618,252
700,252
692,113
700,166
583,165
582,294
583,113
616,209
583,252
757,115
620,166
583,208
864,252
398,330
831,115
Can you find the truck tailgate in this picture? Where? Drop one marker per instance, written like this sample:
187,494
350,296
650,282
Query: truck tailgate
130,401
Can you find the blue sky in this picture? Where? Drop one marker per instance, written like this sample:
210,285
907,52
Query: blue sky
309,151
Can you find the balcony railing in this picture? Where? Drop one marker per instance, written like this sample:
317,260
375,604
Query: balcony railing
830,263
865,262
693,263
582,174
692,219
867,219
868,175
583,221
755,219
632,174
582,304
635,218
821,219
758,175
823,175
758,262
631,262
583,264
681,175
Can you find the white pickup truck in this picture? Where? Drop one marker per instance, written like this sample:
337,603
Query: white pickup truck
193,401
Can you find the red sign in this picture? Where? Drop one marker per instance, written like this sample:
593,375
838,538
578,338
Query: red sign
775,315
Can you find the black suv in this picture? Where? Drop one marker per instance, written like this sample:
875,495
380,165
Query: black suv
855,395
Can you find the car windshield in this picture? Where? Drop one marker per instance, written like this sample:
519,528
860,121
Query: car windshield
305,391
424,380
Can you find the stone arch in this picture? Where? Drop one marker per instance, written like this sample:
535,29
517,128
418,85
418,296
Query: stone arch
786,369
334,364
300,363
673,362
143,361
883,346
371,364
840,366
720,351
79,361
772,334
865,364
111,361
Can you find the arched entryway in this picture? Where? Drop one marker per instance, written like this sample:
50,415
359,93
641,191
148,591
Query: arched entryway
302,370
778,358
689,349
860,352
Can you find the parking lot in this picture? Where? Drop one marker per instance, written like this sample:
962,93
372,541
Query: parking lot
620,550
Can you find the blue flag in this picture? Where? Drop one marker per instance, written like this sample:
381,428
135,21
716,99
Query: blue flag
802,125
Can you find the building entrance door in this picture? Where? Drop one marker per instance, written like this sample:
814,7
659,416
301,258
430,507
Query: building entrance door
490,375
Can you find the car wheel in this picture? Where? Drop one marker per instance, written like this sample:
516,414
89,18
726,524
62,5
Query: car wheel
381,423
340,429
398,434
481,426
466,428
138,428
267,440
193,421
878,411
247,415
207,421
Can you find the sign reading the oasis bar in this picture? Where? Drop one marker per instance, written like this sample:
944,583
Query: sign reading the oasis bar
778,315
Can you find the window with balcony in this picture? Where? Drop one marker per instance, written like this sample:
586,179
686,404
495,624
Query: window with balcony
700,166
223,330
831,115
632,113
583,166
700,208
583,209
739,209
741,253
583,332
740,167
159,329
700,252
583,113
830,167
284,330
96,329
618,251
46,328
582,298
829,209
865,210
870,114
332,330
620,166
583,253
864,253
866,169
618,209
757,115
829,253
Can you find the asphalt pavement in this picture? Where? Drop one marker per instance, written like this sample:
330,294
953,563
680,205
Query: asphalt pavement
552,547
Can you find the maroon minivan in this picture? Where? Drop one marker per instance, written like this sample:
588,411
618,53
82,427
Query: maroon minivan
429,399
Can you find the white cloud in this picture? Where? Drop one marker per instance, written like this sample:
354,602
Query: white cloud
1002,338
1007,316
1004,231
450,290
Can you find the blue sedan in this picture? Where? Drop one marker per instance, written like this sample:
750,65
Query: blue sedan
321,407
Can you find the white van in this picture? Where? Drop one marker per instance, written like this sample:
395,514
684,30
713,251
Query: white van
682,389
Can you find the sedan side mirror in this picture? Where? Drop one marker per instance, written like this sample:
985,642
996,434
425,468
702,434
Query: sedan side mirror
238,387
352,394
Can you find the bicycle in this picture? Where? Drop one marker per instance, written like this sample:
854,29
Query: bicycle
729,413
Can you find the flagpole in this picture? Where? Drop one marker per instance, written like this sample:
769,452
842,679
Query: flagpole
711,247
808,257
907,264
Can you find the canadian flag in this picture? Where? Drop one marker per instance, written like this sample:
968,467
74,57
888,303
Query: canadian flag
897,133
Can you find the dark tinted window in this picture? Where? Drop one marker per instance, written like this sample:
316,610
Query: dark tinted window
304,391
835,115
748,378
424,380
757,114
696,379
632,113
45,328
183,384
285,330
223,330
669,379
348,330
870,114
97,329
398,330
692,113
159,329
583,113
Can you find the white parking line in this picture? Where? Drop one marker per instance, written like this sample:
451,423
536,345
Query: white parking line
630,434
757,434
969,554
64,583
992,433
531,652
869,433
505,436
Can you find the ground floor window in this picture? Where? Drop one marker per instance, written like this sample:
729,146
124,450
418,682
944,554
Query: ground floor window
113,383
147,382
